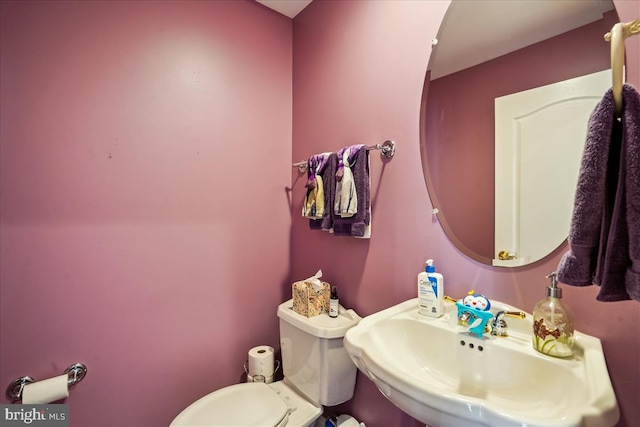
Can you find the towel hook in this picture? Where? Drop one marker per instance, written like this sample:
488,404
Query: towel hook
616,36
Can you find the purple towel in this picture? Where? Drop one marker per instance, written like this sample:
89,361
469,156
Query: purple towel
604,239
356,225
328,174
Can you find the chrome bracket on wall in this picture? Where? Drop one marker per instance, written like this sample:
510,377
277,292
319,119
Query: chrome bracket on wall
387,148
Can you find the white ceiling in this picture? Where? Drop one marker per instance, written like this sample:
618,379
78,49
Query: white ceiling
288,8
473,32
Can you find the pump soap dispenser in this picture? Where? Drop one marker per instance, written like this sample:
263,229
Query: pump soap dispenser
553,323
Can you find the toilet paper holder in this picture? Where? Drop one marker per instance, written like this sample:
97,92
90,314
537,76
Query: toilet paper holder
76,373
261,378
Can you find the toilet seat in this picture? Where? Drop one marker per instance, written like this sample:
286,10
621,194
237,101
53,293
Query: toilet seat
250,405
242,405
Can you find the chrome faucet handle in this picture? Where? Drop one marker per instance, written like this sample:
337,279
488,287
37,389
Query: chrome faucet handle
499,326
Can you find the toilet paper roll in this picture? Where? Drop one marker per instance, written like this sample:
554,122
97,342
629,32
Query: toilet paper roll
261,361
46,391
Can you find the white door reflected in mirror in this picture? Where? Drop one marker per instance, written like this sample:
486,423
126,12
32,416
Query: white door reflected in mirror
534,189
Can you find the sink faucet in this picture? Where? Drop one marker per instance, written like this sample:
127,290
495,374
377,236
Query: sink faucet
499,326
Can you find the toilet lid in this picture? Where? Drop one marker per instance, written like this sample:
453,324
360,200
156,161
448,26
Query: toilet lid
242,405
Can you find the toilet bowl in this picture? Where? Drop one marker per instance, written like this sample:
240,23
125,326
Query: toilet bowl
248,405
317,371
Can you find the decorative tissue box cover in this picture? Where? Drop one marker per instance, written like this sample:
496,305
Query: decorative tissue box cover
309,302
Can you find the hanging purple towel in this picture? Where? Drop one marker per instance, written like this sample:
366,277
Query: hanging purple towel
359,224
604,239
327,171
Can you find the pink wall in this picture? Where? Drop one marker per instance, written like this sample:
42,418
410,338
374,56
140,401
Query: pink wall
358,74
145,155
137,259
460,114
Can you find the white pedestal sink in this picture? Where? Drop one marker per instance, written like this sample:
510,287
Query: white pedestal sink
441,375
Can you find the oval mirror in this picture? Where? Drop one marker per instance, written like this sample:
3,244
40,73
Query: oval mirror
528,73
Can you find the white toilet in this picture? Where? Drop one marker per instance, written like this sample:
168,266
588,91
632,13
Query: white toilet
317,371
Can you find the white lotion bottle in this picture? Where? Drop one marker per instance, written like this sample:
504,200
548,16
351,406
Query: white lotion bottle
430,291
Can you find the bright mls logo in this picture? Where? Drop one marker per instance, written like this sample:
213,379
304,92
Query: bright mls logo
34,415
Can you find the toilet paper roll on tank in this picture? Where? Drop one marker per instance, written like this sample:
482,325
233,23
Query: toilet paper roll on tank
261,364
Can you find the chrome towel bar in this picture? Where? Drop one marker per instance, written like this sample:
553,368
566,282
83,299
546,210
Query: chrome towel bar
387,150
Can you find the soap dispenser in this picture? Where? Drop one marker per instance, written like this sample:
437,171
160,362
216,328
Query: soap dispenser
430,291
553,323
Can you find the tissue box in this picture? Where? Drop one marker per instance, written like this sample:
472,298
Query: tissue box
309,302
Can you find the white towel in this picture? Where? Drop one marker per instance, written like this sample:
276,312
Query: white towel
346,203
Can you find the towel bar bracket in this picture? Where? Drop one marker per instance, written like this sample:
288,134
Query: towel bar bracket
387,149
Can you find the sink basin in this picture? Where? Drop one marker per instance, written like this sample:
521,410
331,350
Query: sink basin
442,375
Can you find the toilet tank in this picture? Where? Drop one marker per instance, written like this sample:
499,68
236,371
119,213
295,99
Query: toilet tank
314,360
